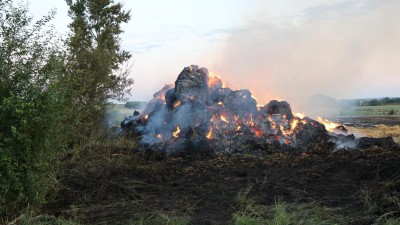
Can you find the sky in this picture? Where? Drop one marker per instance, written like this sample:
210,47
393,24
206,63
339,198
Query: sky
285,50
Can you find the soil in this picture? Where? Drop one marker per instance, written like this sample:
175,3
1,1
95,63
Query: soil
120,186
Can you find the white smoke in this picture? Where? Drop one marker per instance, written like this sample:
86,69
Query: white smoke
348,49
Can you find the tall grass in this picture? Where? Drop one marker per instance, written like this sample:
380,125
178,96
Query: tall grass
281,213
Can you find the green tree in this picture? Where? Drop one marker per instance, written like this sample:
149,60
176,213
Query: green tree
29,66
95,72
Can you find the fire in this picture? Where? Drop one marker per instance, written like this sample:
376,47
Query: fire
293,124
176,132
300,115
146,117
176,104
159,136
220,103
330,126
238,128
223,118
251,122
214,79
257,132
209,134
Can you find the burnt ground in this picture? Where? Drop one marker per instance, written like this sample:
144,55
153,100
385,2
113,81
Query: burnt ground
118,186
366,121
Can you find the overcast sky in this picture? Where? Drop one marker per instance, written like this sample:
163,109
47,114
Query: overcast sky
287,49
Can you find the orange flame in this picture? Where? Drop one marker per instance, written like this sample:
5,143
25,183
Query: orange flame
209,134
223,118
176,132
293,124
300,115
238,128
176,104
330,126
251,122
214,79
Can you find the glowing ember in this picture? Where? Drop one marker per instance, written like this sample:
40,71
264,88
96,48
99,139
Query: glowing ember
176,132
209,134
223,118
330,126
220,103
257,132
176,104
238,128
146,117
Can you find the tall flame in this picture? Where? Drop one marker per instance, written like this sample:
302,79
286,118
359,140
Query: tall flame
176,132
300,115
330,126
209,134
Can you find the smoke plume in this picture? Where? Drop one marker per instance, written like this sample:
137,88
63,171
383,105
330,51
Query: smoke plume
344,50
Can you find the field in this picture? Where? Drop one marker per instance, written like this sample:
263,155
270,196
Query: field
371,110
110,185
111,182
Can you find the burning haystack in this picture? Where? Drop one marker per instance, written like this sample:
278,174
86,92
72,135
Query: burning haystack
200,114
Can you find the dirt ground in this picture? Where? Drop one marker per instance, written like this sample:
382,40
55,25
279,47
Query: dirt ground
367,121
120,186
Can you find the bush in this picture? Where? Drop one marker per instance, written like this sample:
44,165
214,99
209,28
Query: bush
28,101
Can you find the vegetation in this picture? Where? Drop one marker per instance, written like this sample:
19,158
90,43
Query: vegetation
53,94
134,104
94,72
371,110
281,213
29,66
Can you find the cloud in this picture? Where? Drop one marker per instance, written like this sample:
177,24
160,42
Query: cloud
141,49
231,30
354,52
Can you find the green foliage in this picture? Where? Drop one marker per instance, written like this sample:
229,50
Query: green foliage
377,102
94,72
133,105
28,102
281,213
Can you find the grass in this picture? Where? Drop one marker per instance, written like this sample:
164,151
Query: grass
281,213
160,218
41,220
370,110
378,131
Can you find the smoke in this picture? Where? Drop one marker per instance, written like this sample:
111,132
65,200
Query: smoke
344,50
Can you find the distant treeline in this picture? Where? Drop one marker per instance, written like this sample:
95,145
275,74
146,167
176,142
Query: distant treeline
134,104
376,102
